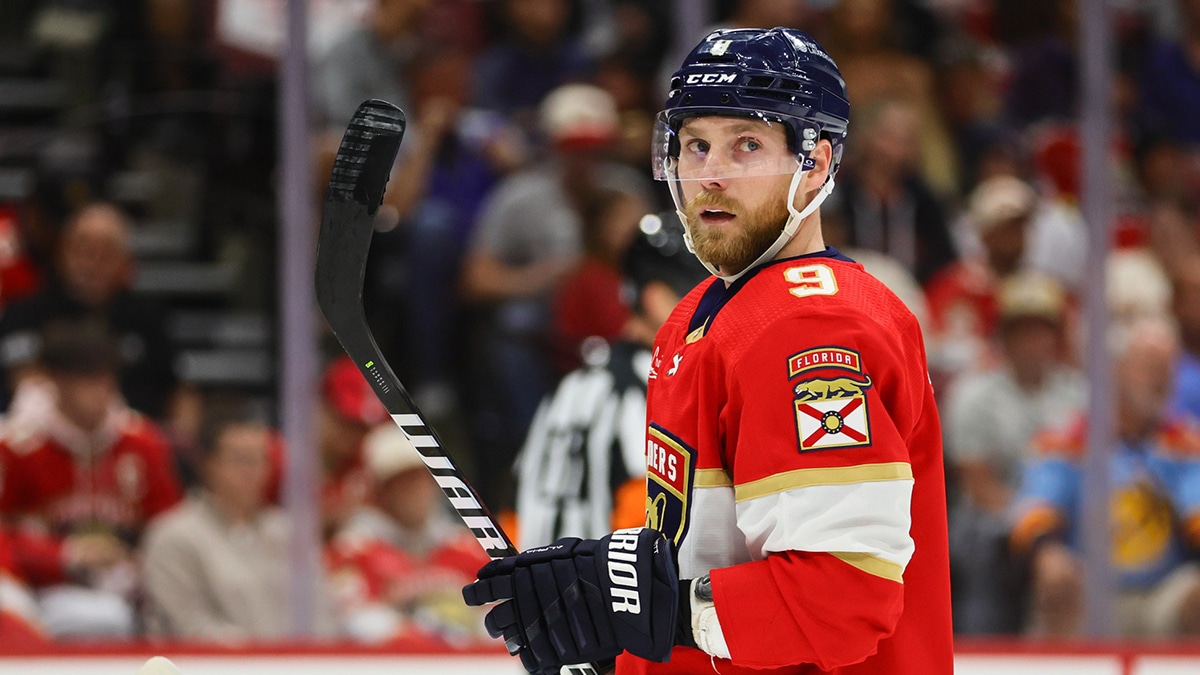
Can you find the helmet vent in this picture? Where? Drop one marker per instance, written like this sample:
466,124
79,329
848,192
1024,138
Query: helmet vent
770,93
760,81
789,84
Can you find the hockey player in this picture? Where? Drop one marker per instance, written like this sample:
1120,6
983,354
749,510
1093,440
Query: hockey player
793,449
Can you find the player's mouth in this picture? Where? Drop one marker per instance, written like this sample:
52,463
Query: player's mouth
716,216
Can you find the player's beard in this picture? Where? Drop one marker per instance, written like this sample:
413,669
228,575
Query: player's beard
732,246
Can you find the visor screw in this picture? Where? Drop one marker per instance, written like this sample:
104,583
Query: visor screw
724,98
810,134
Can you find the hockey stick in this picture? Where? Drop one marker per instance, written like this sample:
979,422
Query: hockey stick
360,174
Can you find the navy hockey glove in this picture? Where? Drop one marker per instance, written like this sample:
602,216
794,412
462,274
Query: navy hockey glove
578,601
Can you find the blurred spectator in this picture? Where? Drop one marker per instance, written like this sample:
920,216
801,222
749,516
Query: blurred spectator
969,99
886,205
1155,503
369,61
990,417
1170,82
458,156
534,55
1137,286
636,99
865,38
962,297
641,32
399,564
83,473
214,564
1186,304
1040,39
528,237
764,13
92,280
588,301
349,408
582,469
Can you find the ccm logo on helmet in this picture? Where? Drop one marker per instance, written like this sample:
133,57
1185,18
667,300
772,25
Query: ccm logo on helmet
711,78
622,547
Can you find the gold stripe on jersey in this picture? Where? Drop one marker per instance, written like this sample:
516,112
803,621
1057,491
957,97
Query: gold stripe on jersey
873,565
698,333
842,475
712,478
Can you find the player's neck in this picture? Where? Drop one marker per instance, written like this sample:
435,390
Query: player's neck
808,239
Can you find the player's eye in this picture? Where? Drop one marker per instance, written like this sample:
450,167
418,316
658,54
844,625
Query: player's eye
748,145
697,147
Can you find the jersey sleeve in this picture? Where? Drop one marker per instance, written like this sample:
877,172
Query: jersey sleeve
820,415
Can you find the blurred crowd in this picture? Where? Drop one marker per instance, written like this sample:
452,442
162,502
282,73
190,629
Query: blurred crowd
141,498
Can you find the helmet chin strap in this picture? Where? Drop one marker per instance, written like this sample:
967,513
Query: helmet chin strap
795,217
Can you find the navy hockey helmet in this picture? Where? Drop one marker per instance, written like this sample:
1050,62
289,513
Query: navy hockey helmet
780,76
777,74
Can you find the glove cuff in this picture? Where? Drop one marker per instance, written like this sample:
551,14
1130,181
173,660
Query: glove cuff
684,636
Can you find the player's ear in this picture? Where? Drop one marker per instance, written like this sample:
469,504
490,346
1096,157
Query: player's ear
822,155
814,178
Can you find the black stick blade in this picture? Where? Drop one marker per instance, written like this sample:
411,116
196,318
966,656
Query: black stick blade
365,157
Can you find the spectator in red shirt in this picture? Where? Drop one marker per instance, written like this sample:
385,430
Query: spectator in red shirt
399,564
82,474
588,301
962,297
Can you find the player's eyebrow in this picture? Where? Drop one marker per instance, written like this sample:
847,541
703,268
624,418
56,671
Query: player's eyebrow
740,127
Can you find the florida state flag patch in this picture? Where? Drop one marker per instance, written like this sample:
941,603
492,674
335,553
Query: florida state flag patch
830,398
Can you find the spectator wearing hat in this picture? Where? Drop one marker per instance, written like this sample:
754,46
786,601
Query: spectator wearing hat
348,410
990,417
885,203
530,235
213,565
962,297
1154,500
82,474
399,563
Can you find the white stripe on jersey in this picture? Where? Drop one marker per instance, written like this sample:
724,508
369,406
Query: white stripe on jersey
713,539
869,518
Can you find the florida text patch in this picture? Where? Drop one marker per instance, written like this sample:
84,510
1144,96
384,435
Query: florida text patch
830,398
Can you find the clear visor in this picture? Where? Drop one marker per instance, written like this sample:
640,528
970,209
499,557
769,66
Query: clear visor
714,147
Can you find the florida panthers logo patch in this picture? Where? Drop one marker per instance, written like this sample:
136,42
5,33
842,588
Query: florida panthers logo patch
830,398
670,469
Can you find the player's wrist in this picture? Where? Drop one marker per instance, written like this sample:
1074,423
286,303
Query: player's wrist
697,626
684,636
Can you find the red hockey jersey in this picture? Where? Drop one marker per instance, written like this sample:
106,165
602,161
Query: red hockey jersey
51,491
794,452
